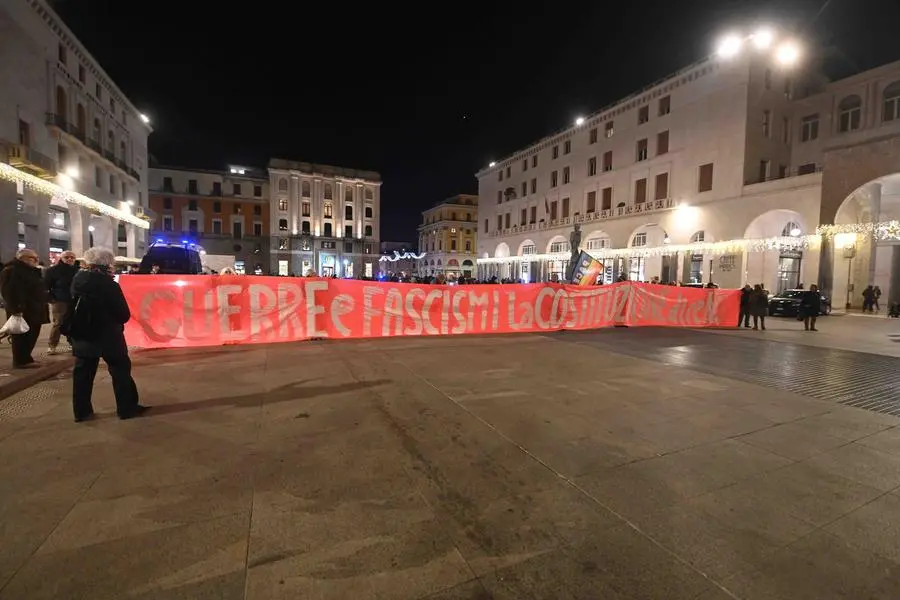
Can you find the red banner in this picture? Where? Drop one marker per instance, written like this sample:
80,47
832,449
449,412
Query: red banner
202,310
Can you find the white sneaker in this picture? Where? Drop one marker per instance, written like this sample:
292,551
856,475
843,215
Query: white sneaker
52,350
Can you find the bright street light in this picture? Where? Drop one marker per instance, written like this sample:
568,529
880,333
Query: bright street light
795,232
492,164
65,181
72,172
90,228
145,118
729,46
762,39
787,53
579,121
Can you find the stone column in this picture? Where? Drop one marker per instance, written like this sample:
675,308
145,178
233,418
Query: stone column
826,268
9,221
37,230
105,232
79,235
893,292
131,241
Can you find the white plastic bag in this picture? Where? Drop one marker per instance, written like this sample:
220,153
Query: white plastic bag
16,325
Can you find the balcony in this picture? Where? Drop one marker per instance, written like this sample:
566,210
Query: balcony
653,206
31,161
59,123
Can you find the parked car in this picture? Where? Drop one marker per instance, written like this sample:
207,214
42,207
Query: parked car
787,304
172,259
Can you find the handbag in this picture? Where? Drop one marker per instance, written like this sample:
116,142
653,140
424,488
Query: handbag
15,325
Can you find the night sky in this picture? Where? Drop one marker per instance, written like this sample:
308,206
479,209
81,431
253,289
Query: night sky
424,93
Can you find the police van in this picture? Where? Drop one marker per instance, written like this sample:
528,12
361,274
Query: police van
167,258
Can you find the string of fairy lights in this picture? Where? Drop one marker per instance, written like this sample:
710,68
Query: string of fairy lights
47,188
882,231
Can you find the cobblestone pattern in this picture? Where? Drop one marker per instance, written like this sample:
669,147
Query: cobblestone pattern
868,381
32,402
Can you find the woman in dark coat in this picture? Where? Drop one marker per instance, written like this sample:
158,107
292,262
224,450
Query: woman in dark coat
759,306
97,330
25,294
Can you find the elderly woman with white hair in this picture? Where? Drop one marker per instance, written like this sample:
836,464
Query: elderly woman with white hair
97,330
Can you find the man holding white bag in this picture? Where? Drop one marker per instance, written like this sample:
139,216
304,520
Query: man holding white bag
25,297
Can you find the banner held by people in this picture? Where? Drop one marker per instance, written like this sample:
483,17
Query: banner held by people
184,311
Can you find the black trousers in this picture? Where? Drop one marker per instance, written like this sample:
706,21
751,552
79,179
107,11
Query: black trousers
23,345
114,353
744,317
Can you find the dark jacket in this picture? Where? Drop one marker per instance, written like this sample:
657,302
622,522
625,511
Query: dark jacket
811,303
59,281
758,304
98,299
24,292
745,297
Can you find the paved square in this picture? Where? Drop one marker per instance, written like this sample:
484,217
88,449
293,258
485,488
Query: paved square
616,464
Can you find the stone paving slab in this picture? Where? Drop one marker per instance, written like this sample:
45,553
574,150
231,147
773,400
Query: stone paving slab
513,467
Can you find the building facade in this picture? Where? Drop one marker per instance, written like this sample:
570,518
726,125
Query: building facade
226,212
73,148
398,258
722,172
324,219
448,236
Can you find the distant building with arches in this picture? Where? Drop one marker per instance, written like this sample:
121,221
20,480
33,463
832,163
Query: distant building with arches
448,236
721,172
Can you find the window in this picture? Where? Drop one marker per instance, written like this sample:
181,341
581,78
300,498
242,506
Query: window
81,74
348,211
327,210
534,185
192,226
348,194
506,220
282,224
192,186
554,179
597,244
368,231
98,177
523,217
217,207
565,208
327,230
25,133
348,231
500,175
662,142
809,128
368,212
499,196
555,152
567,147
850,114
237,230
524,188
640,191
217,189
236,189
499,222
508,171
533,216
369,195
665,105
528,249
767,79
764,166
566,175
98,91
643,114
662,186
282,204
61,54
608,129
304,228
767,123
524,164
791,229
641,150
534,161
257,191
557,247
217,226
554,210
639,239
606,199
257,210
453,245
192,205
485,225
698,237
705,178
806,169
592,166
305,189
328,191
593,136
304,208
167,223
607,161
282,185
592,202
890,110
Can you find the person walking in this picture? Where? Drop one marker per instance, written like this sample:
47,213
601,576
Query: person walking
58,279
810,306
97,328
24,295
759,306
